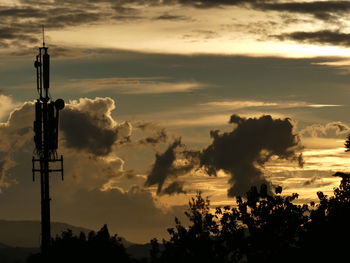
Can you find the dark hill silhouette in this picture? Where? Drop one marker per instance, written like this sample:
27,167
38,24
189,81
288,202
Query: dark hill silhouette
19,239
26,234
15,254
3,246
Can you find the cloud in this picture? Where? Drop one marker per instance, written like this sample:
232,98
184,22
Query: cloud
239,104
86,126
174,188
7,105
166,167
242,104
316,181
323,37
160,137
98,132
122,211
146,85
201,34
82,198
324,10
163,166
328,130
243,152
151,133
24,21
172,17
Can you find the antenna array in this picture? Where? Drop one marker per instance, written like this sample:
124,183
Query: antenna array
46,140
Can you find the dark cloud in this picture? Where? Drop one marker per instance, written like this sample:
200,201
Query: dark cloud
143,125
88,126
217,3
11,33
74,18
324,10
243,152
316,181
159,134
174,188
23,12
202,34
323,37
23,23
165,168
160,137
171,17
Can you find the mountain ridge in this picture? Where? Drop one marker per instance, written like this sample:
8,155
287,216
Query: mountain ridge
26,233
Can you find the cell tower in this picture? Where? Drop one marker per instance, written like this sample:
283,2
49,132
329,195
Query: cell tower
46,140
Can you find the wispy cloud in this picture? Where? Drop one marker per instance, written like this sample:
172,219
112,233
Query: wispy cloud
151,85
240,104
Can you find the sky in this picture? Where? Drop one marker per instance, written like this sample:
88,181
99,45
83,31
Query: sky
168,98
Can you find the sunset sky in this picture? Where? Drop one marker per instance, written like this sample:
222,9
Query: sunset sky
145,83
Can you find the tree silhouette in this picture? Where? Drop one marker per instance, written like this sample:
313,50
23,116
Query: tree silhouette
97,247
262,227
328,229
347,144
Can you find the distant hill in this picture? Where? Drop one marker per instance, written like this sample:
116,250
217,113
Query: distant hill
26,234
19,239
15,254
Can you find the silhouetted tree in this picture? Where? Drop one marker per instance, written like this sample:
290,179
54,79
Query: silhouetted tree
328,229
273,225
261,228
97,247
347,144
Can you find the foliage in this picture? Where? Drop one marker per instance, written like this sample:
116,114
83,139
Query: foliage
262,227
96,247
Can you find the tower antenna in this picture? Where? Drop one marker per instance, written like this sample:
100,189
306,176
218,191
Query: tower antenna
43,31
46,160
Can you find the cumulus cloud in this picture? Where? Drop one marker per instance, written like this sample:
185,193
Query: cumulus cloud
243,152
82,198
87,127
97,131
7,105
